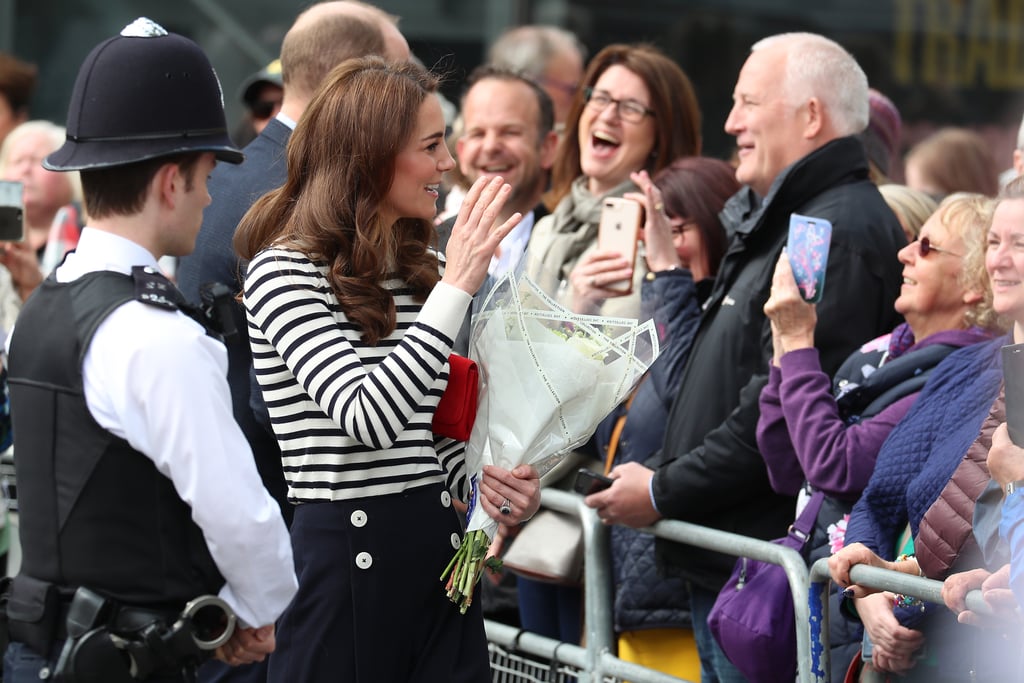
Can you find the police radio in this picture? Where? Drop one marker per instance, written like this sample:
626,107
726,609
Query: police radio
218,307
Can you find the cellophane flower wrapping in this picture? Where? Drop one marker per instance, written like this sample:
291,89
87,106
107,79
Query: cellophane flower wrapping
548,377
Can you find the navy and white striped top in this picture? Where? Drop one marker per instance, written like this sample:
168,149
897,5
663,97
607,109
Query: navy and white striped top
352,420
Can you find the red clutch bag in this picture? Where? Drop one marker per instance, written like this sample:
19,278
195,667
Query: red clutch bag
456,411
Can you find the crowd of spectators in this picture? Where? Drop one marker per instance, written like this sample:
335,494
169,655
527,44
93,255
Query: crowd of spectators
886,395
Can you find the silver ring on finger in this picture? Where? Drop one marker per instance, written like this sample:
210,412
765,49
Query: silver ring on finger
506,507
593,281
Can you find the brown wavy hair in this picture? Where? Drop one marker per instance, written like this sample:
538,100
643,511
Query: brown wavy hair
341,163
696,188
673,100
956,160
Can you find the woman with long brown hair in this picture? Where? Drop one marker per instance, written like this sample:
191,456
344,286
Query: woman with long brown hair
352,320
637,111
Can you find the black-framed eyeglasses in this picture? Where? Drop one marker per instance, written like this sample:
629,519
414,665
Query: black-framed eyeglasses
627,110
925,247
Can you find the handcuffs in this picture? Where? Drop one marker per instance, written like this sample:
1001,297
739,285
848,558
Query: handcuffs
94,654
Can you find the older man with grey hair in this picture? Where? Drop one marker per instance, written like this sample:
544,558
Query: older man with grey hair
552,57
798,105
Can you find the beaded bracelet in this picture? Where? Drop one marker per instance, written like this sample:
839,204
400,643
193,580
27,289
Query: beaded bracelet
901,600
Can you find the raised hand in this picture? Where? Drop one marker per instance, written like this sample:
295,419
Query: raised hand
475,238
793,320
659,248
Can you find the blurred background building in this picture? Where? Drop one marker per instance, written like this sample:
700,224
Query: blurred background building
943,62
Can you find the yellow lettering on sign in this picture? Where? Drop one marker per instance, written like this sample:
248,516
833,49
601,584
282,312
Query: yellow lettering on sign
941,47
903,52
981,53
1013,68
958,43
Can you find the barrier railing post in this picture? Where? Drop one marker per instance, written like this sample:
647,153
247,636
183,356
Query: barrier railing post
743,546
598,658
597,591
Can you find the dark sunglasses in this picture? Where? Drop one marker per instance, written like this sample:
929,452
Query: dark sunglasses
925,247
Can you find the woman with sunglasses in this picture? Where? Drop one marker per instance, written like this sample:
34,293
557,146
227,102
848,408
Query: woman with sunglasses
817,434
637,111
927,477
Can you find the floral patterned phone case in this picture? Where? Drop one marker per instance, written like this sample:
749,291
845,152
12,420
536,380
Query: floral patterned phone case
807,249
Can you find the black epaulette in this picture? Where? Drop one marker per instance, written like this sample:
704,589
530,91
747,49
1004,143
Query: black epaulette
153,288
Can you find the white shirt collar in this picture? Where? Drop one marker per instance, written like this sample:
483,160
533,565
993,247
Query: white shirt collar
286,120
512,247
101,250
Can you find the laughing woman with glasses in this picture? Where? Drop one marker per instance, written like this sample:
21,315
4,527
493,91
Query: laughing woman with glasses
817,434
636,112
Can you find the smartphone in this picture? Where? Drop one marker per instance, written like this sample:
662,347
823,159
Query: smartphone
807,248
12,227
588,482
619,230
1013,382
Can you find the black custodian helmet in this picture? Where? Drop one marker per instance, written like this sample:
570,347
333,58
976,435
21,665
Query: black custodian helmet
143,94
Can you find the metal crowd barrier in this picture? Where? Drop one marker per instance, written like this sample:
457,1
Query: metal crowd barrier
595,662
744,546
819,580
523,657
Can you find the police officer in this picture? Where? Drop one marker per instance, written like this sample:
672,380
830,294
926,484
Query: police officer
138,491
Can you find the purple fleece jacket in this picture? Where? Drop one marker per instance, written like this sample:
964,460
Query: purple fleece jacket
802,437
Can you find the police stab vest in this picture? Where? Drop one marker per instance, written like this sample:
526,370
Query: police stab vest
93,510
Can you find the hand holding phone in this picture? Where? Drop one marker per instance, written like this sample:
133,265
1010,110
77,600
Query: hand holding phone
588,482
12,227
619,230
807,248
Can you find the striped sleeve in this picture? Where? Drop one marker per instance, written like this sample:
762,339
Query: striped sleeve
290,302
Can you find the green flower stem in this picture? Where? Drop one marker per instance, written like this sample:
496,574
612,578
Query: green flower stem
466,567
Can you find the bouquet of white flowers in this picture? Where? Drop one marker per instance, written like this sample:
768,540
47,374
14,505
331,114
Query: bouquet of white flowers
548,378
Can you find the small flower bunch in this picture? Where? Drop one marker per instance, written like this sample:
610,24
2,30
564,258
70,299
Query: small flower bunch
837,534
468,563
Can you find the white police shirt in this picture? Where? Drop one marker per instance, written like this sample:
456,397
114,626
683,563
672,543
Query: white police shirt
155,378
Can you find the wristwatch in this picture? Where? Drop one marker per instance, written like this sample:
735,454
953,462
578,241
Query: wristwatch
1016,485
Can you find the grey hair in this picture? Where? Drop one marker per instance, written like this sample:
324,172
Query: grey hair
55,136
529,49
819,67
